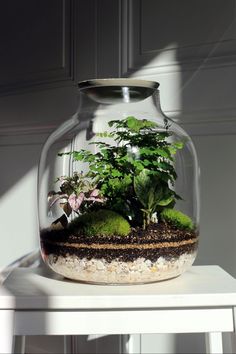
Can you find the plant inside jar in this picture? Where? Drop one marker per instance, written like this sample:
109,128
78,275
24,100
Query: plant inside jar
123,208
134,177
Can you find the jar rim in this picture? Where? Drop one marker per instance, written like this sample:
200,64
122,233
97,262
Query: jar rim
118,82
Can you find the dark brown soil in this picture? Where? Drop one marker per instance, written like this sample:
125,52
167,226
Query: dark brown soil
157,240
160,232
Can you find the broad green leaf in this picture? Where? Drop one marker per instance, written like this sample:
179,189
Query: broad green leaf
146,163
136,125
161,136
138,165
165,202
148,189
116,173
133,124
155,152
178,145
172,149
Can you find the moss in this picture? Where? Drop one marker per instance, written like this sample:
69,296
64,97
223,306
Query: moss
102,222
177,219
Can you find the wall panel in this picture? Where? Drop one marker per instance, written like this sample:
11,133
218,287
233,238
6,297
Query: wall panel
36,44
190,48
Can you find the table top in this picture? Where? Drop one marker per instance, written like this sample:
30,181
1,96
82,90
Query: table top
200,286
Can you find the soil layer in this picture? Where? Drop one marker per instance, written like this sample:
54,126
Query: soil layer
157,240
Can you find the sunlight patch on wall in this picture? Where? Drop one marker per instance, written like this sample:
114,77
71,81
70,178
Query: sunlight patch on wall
165,69
18,226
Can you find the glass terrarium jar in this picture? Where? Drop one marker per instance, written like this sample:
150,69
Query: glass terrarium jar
118,195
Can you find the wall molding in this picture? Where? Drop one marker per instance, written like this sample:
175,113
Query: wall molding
220,53
206,121
52,77
209,120
208,115
210,128
34,135
26,129
176,67
216,118
24,135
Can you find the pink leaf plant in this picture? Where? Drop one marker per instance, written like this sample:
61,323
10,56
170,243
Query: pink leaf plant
74,192
94,196
75,201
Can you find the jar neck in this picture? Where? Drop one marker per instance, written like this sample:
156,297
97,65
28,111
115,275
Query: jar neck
122,98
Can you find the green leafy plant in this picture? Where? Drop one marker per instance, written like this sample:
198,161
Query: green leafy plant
101,222
134,175
151,192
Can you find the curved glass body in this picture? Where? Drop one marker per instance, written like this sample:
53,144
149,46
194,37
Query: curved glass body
118,195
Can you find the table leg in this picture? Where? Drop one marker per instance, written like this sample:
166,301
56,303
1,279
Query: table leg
214,344
70,345
133,345
233,334
19,345
6,331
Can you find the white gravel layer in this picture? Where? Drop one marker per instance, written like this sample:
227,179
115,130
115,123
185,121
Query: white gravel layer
140,270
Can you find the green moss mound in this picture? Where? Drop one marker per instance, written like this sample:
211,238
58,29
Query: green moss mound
177,219
101,223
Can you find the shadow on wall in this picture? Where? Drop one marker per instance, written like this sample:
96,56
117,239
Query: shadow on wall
34,115
38,111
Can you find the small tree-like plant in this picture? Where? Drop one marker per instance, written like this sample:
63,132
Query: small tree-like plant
135,175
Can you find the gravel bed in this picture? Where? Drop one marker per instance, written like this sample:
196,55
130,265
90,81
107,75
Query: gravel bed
101,271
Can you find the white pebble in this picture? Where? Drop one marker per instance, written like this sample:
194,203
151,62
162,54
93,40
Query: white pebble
140,270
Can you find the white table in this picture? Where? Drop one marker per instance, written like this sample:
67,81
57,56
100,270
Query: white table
33,302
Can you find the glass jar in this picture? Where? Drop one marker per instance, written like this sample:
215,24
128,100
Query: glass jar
118,195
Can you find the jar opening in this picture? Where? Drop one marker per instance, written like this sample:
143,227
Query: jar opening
109,91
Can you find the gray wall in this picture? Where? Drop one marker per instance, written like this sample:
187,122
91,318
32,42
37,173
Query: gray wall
188,46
